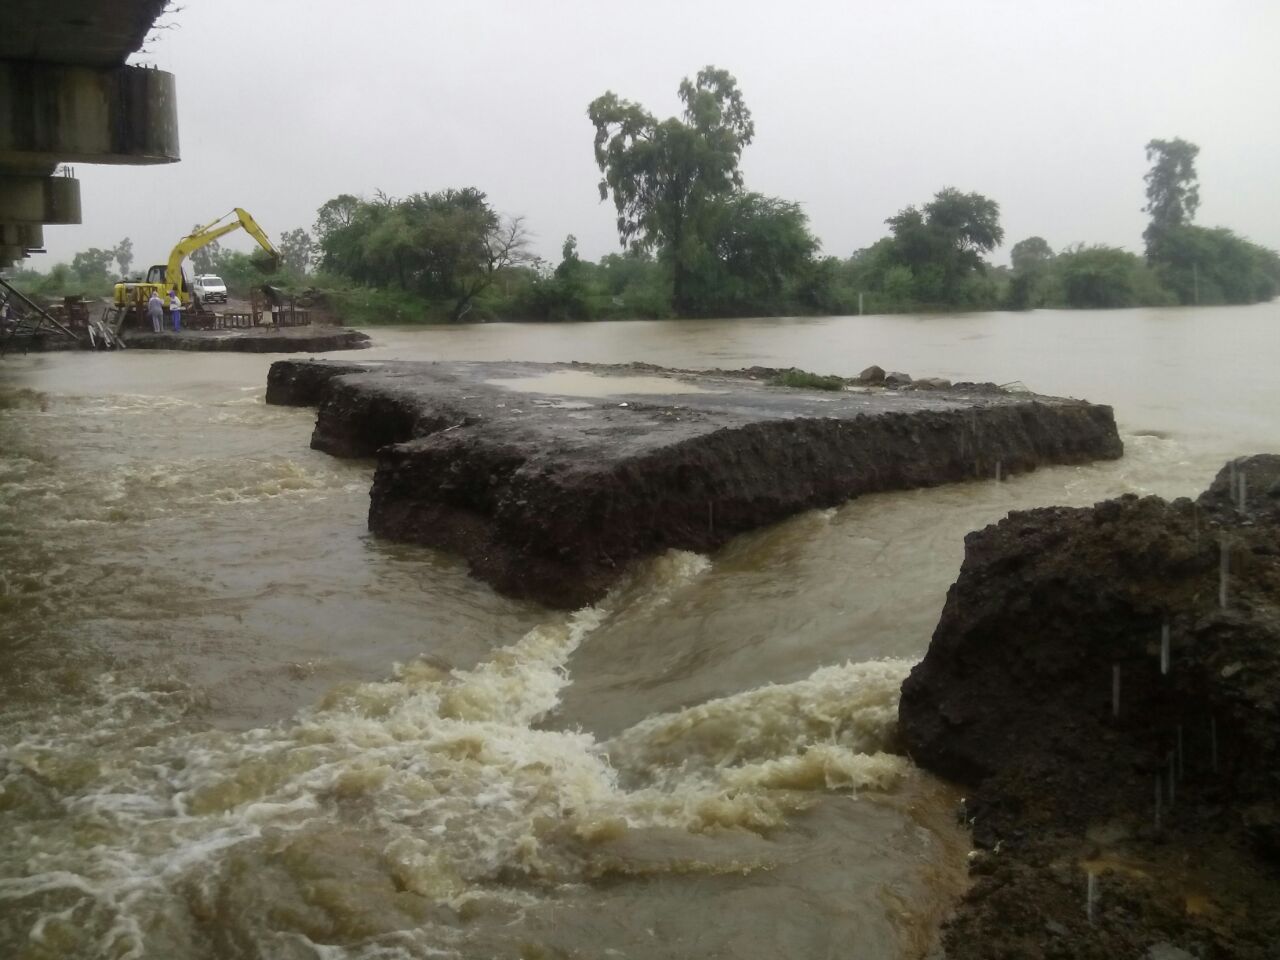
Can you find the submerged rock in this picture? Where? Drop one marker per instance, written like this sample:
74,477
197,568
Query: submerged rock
872,375
551,479
1106,684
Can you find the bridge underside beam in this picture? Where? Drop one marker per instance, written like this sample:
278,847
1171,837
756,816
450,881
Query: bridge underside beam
51,113
57,113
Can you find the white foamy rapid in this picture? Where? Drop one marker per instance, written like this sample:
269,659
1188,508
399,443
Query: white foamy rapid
371,821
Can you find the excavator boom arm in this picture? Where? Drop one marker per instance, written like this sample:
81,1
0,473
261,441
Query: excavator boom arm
251,227
203,236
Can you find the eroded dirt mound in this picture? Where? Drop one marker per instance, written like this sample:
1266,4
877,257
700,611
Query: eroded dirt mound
1107,682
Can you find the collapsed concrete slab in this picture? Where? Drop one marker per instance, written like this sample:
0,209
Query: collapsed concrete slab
311,339
552,478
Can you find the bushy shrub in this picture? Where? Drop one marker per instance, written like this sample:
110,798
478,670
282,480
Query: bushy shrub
803,378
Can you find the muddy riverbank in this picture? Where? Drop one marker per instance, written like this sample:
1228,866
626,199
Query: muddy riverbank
1106,684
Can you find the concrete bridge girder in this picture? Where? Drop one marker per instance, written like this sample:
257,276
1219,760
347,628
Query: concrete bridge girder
36,200
52,113
28,235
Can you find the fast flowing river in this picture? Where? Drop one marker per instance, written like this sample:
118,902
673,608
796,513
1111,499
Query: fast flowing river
234,725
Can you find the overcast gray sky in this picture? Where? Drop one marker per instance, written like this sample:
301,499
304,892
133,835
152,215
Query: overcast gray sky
861,108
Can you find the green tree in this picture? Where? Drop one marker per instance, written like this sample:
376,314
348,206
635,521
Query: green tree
1102,276
1199,265
503,245
1097,276
969,223
565,293
239,271
205,260
449,246
60,281
123,255
628,270
296,251
336,214
665,175
943,244
1209,266
899,283
93,266
570,263
1173,189
1031,259
93,262
758,251
342,229
1031,254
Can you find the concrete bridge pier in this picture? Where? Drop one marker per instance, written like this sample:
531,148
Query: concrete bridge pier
67,96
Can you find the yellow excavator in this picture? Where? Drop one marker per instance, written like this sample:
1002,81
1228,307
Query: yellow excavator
165,277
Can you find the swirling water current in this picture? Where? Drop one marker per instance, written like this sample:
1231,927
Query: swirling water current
232,724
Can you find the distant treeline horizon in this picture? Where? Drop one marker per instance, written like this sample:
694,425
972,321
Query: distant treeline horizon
695,242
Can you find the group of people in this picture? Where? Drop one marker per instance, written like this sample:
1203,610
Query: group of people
155,310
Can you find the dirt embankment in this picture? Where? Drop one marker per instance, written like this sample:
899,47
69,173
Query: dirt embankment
1106,681
551,496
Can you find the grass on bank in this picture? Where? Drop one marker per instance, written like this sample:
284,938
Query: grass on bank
806,380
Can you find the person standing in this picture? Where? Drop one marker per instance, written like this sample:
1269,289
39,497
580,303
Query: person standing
155,310
175,311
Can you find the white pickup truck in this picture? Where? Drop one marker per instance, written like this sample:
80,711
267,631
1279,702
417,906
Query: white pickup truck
210,288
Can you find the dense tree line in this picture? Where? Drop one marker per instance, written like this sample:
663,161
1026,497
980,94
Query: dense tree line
696,242
1184,263
449,246
91,272
94,272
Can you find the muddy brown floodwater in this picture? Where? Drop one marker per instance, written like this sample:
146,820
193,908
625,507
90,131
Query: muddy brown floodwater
232,724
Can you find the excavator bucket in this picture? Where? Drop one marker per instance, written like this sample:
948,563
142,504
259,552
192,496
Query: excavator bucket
266,263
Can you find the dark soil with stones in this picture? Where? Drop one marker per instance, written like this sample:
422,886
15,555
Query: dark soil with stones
1105,682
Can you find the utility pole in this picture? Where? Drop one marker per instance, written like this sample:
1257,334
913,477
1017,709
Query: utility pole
1195,280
